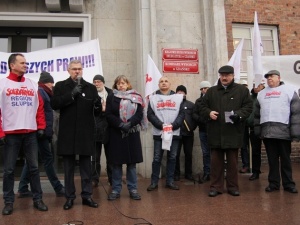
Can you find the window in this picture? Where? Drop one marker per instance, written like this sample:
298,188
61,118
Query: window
59,41
38,44
28,39
269,39
3,44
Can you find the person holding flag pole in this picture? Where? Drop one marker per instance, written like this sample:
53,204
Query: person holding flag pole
255,144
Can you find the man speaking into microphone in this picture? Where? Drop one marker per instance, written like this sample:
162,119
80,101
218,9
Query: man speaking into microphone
76,100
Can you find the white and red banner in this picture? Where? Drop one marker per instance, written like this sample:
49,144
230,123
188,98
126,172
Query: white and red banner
287,65
235,61
56,60
152,77
257,50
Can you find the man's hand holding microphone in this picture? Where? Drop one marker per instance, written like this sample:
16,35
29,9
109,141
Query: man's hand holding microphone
78,88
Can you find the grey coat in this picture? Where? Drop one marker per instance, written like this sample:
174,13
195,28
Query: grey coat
279,130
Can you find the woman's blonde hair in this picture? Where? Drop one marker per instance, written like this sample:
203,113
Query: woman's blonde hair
124,78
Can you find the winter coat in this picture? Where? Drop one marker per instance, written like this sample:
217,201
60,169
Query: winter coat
101,125
234,98
48,113
156,122
201,122
275,129
76,121
189,125
250,119
129,148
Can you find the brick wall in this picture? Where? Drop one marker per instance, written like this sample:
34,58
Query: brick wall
285,14
295,155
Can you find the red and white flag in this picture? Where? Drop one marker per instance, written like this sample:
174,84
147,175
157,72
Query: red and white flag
235,61
152,77
257,50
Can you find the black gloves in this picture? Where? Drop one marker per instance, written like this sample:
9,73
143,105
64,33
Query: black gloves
125,126
40,133
2,141
235,118
77,90
97,102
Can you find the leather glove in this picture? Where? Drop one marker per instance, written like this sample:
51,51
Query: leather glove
77,90
97,102
125,126
40,133
2,141
235,118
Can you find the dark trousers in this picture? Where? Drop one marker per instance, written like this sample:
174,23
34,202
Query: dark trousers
205,152
245,149
256,151
217,170
15,142
48,162
187,142
85,173
171,161
278,152
96,166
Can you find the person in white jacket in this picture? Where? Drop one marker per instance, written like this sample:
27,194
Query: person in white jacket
276,121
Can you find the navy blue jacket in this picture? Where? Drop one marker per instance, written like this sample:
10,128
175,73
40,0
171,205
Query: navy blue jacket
48,113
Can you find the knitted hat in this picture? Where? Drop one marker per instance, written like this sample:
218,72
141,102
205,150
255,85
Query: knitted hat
181,88
99,77
46,78
205,84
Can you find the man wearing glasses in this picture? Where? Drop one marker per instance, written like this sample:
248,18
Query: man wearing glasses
76,99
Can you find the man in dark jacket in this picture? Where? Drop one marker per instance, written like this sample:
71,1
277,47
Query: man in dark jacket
166,114
76,99
187,137
45,83
255,140
101,132
226,107
204,86
276,121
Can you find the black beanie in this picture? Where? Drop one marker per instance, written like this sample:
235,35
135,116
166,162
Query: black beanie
46,78
181,88
99,77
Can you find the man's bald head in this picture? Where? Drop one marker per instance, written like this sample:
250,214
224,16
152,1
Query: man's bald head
164,84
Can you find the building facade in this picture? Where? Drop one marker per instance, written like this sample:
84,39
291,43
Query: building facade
129,30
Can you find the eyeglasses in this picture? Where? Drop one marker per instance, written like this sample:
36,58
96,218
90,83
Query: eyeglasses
74,69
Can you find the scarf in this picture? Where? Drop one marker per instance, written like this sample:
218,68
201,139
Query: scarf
128,105
48,90
103,94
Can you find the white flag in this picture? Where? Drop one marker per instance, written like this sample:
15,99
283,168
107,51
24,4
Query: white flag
152,77
257,49
235,61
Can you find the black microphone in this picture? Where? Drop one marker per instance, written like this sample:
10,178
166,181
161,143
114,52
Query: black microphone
79,79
